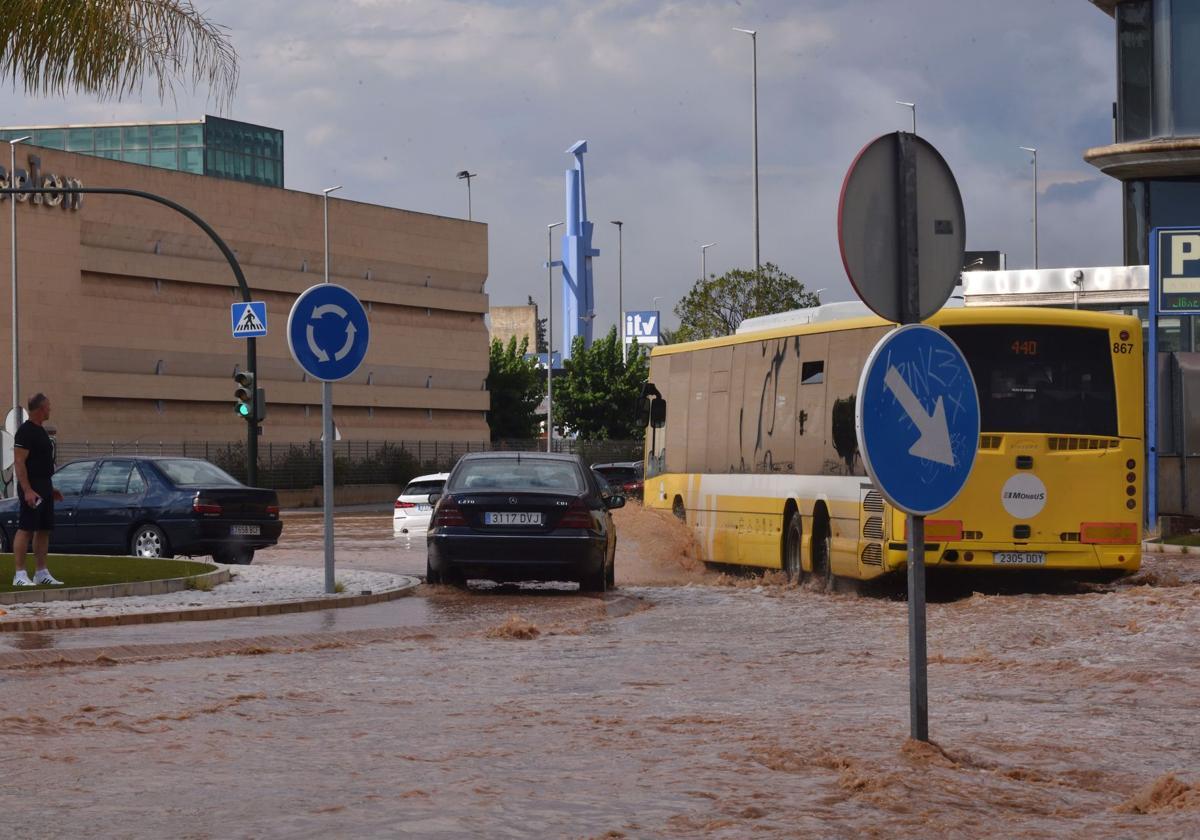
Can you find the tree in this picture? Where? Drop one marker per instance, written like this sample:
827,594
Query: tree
540,326
106,47
716,305
597,395
516,385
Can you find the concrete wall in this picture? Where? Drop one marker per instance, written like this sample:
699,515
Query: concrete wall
124,310
515,321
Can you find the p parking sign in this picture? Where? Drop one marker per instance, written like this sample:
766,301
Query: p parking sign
1175,268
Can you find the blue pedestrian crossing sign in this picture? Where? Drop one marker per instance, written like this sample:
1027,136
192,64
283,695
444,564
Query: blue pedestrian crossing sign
249,319
328,332
917,419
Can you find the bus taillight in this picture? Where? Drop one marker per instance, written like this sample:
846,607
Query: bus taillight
940,530
1113,533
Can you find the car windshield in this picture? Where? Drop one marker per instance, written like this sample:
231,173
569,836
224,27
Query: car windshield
511,474
423,488
185,472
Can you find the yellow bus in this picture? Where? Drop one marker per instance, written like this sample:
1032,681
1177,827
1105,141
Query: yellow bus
750,440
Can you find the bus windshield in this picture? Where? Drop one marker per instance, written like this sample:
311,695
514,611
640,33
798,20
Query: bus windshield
1042,379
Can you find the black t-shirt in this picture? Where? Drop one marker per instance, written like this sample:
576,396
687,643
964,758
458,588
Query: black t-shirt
39,465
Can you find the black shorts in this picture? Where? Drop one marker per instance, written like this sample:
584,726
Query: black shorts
40,518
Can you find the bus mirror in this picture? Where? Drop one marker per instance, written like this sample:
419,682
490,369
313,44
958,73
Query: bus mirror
658,413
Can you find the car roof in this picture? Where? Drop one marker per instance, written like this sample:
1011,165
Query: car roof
622,464
517,456
430,477
120,456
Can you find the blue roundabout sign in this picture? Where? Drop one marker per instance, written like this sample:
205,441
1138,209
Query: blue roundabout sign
917,418
328,332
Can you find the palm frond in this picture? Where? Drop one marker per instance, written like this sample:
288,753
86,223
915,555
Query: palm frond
107,48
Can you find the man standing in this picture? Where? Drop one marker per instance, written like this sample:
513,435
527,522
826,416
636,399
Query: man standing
33,455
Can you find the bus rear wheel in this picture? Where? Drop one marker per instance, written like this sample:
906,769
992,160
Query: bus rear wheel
822,555
792,539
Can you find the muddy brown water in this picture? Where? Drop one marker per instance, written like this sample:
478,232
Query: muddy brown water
715,710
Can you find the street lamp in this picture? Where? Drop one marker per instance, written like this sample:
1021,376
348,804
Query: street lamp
656,299
913,107
327,431
1033,152
620,286
754,48
704,261
12,177
550,335
464,175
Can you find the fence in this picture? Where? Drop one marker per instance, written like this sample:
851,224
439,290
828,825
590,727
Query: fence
297,466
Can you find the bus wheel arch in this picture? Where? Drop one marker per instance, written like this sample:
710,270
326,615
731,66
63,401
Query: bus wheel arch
822,546
791,546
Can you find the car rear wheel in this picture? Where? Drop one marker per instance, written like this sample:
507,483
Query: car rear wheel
610,576
235,556
148,541
430,575
594,581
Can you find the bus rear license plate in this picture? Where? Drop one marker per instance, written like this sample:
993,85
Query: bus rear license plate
521,517
1020,558
245,530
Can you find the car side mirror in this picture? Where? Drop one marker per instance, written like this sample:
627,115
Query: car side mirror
433,498
658,413
614,501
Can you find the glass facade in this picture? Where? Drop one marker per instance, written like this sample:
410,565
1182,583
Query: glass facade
214,146
1158,69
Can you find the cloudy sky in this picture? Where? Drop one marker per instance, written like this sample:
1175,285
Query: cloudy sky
392,97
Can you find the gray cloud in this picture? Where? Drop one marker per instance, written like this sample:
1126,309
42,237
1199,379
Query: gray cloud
392,98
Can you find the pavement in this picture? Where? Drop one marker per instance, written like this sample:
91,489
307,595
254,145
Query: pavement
251,591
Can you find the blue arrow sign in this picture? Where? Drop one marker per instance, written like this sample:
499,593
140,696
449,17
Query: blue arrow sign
328,332
917,418
249,319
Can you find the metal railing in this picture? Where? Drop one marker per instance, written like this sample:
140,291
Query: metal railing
297,466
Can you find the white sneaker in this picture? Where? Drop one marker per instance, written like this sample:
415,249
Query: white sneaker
22,579
44,578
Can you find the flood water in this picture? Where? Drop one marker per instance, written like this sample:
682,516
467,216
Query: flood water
704,706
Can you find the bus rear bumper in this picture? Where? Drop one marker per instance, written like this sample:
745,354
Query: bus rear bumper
1033,557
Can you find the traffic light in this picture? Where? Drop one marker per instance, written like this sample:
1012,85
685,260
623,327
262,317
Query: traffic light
244,394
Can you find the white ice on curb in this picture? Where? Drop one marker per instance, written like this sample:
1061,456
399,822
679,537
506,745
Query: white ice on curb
250,585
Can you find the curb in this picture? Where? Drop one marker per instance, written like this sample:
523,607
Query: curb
619,606
163,586
1164,548
326,602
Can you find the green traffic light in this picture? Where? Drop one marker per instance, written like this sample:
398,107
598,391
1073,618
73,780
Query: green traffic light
243,409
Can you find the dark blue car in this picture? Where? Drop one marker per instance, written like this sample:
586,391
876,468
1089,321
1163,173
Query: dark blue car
155,507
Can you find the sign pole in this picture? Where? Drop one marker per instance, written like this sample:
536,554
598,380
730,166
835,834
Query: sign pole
910,311
1152,389
327,479
918,669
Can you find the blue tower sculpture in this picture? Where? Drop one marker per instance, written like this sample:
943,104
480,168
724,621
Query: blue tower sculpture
577,294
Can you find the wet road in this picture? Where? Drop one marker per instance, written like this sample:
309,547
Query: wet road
717,709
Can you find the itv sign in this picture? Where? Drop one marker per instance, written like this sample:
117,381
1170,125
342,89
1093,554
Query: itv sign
642,327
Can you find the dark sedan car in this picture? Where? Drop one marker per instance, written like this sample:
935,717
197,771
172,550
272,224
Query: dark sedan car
521,516
155,507
624,477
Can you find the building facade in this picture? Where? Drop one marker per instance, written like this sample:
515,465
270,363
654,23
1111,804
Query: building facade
124,309
213,146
